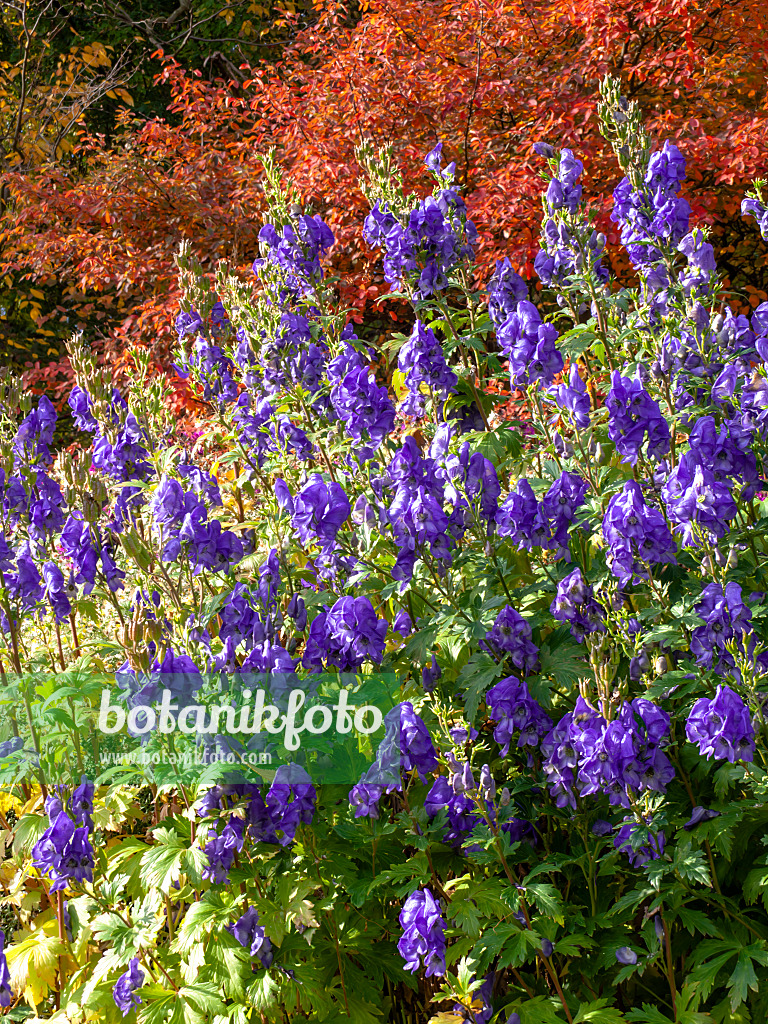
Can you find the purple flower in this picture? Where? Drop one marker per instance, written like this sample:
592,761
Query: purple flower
81,803
294,253
402,623
252,936
423,939
417,752
422,361
655,214
698,815
626,956
364,797
754,208
521,519
6,992
124,992
694,496
633,415
726,618
35,434
529,344
221,849
64,853
559,506
511,635
56,591
636,534
79,402
575,604
512,707
320,509
722,727
573,398
364,407
639,843
505,289
290,801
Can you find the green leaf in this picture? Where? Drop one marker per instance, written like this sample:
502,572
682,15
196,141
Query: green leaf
161,864
547,900
598,1012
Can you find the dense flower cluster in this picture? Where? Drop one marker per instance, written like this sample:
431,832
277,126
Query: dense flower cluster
636,535
633,416
423,938
585,755
64,852
512,707
575,604
722,727
435,237
654,214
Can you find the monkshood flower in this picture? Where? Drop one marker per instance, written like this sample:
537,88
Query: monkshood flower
639,843
575,604
292,438
752,207
726,618
294,253
515,710
633,415
126,459
696,278
290,801
529,345
653,214
24,585
221,849
694,496
365,408
699,814
417,752
422,361
423,939
81,802
252,422
345,636
722,727
79,401
434,159
727,451
572,398
214,370
586,754
626,956
6,992
204,484
252,936
56,591
35,434
520,518
64,853
319,510
559,506
636,535
436,237
505,289
124,992
403,624
511,635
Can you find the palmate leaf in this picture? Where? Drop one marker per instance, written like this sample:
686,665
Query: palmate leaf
598,1012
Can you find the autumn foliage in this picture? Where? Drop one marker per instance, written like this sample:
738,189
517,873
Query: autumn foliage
487,77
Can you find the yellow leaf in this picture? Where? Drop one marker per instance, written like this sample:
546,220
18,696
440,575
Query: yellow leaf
36,293
398,384
33,965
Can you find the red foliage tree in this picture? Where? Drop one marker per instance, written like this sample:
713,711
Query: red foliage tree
487,77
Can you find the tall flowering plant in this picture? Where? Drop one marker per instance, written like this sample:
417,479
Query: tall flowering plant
559,817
